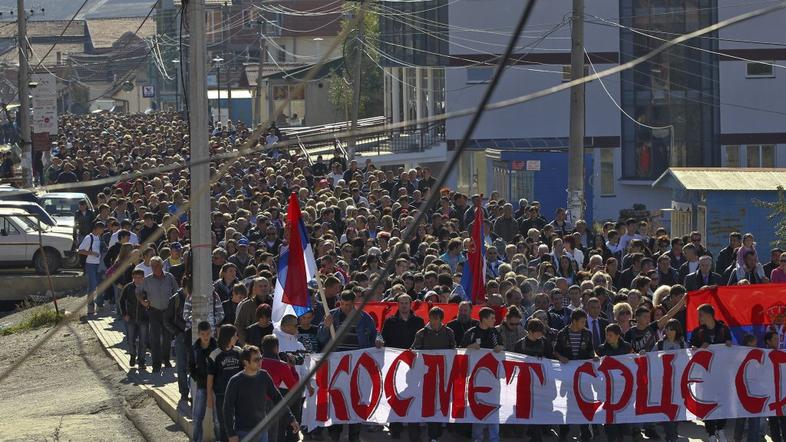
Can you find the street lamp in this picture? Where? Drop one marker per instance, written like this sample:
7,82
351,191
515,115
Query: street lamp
176,62
217,62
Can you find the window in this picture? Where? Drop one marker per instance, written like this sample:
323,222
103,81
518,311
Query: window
249,20
761,155
480,74
606,172
732,156
214,25
759,70
7,227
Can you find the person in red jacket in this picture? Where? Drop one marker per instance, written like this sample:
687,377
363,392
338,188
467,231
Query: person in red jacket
284,378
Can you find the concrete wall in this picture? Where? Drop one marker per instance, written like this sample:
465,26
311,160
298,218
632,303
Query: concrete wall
754,93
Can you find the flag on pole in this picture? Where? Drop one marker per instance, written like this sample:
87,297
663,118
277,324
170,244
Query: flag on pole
296,267
473,276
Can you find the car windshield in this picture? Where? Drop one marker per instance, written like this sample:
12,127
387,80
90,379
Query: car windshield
27,223
61,206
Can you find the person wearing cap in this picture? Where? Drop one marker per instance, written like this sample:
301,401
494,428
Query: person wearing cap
241,258
174,263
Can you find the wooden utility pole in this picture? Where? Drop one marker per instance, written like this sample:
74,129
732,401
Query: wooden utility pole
576,149
201,242
24,96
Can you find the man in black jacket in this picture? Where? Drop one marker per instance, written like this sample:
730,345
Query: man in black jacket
135,315
614,346
574,342
710,331
704,276
180,330
728,254
463,321
399,331
198,368
83,221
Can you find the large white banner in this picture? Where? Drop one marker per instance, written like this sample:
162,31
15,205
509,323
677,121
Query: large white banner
480,386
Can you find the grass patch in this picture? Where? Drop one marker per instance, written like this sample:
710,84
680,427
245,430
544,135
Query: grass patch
37,317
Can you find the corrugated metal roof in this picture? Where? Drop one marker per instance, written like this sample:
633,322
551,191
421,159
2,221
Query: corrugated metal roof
104,32
726,178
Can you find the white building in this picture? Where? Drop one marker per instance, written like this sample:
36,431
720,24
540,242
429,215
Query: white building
715,101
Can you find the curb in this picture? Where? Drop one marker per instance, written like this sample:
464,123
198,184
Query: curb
167,404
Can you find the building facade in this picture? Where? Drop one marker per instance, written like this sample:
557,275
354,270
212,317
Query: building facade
713,101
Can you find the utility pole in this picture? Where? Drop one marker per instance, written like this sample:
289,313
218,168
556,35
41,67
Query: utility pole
262,58
356,79
24,96
201,242
225,16
576,149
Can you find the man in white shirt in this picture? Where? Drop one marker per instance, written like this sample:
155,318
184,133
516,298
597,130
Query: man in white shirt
125,224
145,266
91,249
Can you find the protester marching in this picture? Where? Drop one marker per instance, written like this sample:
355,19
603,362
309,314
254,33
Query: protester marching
498,320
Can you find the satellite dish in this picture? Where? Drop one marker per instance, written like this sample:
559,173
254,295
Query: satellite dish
128,86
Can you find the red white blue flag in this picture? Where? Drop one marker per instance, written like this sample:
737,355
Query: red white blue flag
296,268
473,276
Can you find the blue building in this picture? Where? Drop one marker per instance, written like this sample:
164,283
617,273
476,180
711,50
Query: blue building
718,201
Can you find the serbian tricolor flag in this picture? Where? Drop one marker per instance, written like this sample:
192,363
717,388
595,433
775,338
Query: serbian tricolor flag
745,309
473,276
296,267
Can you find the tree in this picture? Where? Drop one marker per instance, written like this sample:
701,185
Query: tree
340,80
777,214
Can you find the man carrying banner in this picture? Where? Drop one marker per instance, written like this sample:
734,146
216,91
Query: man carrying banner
484,336
707,333
434,336
777,424
399,331
614,345
574,342
362,335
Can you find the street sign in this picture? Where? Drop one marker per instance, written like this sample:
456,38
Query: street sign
44,104
517,165
41,142
533,165
148,91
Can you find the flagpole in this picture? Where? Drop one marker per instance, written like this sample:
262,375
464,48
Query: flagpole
324,303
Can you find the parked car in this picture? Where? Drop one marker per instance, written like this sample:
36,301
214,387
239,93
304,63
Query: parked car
38,212
19,243
8,192
63,205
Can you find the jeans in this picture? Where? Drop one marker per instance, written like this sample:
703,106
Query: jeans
91,270
754,432
477,432
262,435
670,428
160,341
218,408
137,339
334,431
182,354
198,413
615,432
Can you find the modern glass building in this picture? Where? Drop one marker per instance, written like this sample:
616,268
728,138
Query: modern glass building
675,94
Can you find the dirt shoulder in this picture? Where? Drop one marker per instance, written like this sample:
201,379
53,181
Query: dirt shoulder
71,390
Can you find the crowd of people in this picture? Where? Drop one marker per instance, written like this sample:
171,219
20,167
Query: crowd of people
569,291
